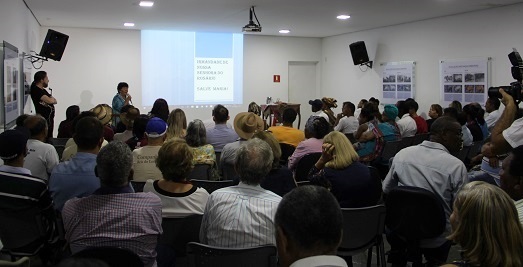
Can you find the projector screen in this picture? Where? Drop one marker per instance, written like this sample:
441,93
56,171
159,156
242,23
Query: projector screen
191,69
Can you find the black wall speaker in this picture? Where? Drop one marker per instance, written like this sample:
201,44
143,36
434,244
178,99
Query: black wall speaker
54,45
359,52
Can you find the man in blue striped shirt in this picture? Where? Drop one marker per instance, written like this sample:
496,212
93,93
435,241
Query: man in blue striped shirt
243,216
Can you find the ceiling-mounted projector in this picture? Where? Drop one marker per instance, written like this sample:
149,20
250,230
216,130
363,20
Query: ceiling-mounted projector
251,26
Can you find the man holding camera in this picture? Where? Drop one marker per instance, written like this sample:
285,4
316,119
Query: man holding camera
508,132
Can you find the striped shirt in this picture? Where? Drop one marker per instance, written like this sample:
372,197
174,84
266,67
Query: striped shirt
239,216
128,220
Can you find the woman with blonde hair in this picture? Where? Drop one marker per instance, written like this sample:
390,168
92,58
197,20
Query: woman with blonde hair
176,124
339,170
279,180
179,197
485,223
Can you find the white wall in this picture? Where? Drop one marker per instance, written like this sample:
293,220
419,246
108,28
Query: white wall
490,33
18,26
95,61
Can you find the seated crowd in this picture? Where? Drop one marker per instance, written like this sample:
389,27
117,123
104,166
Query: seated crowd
113,184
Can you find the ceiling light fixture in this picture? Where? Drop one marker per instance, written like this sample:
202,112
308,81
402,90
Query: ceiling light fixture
343,17
146,3
251,26
284,31
128,24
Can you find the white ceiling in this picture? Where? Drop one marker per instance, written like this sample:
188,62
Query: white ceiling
305,18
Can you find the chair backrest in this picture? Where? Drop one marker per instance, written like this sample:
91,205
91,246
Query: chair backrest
113,256
389,150
22,262
419,138
414,213
137,186
200,172
405,142
362,227
58,141
228,171
304,165
376,176
177,232
302,183
286,152
218,156
212,186
200,255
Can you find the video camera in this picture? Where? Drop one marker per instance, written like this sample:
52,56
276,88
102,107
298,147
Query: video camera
514,89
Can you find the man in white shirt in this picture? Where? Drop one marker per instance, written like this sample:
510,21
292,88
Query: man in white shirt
243,216
317,109
430,166
41,157
492,107
144,158
406,123
303,238
345,121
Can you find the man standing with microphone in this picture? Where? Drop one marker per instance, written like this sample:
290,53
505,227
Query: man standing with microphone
121,99
43,100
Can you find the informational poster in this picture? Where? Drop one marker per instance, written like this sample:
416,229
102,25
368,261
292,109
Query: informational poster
11,91
398,81
464,80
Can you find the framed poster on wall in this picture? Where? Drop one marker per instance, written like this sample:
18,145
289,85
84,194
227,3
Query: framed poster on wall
397,81
464,80
11,97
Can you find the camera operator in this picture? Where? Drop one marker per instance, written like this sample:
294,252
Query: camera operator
508,132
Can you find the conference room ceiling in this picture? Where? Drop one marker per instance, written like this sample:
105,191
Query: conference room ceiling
304,18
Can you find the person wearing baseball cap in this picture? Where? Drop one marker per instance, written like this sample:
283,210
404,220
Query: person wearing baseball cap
317,109
14,150
245,125
144,158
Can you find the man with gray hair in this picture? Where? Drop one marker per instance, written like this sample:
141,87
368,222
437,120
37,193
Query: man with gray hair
114,215
243,216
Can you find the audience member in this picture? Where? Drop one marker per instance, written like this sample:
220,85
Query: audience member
114,215
286,133
177,124
65,129
359,107
457,105
462,120
23,195
421,124
104,113
279,180
406,123
370,143
253,161
245,125
144,158
492,107
315,129
511,178
430,166
507,133
196,138
220,134
160,109
366,120
303,236
480,119
317,109
127,117
121,99
139,138
328,104
435,112
76,177
254,108
20,120
339,171
346,123
472,112
179,197
485,225
41,157
70,147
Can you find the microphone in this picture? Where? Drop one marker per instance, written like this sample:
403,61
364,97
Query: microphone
50,89
130,101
